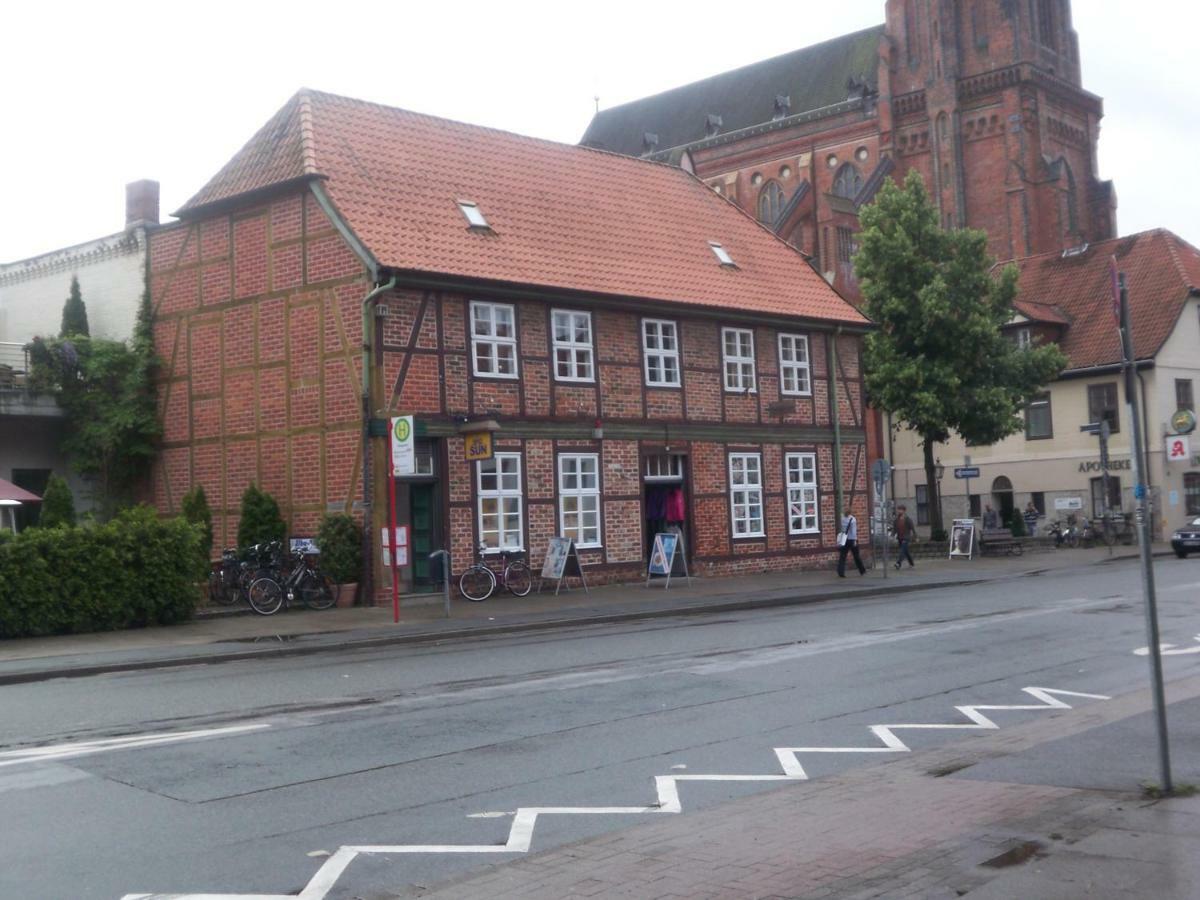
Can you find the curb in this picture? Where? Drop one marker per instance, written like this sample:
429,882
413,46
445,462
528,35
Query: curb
431,637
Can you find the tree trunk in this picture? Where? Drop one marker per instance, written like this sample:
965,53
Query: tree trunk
935,489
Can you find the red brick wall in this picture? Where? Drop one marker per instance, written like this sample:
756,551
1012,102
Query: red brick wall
257,321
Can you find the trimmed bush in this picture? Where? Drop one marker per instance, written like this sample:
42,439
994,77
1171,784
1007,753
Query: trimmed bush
194,509
261,521
134,571
340,541
58,504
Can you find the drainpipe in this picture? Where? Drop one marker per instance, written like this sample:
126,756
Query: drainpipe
835,414
368,345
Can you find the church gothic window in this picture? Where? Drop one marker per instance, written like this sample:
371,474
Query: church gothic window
1044,11
848,182
770,203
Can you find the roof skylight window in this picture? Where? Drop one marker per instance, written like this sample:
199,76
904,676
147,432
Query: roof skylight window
473,214
722,255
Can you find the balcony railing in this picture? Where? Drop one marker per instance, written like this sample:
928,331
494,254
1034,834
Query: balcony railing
14,365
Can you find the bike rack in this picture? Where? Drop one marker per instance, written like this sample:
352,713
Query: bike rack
446,570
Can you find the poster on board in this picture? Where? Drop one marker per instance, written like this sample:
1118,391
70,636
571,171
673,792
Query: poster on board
668,550
562,561
962,538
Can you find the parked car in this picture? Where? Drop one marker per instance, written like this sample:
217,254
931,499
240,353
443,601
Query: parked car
1186,539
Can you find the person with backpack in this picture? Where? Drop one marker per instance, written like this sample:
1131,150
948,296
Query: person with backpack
848,541
905,532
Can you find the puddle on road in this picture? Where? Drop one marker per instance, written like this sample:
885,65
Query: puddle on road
1016,855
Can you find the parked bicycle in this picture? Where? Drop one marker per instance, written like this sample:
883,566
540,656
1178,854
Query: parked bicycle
479,581
230,581
1068,535
287,577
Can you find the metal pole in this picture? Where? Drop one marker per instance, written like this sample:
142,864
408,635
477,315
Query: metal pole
1143,526
391,540
835,415
445,554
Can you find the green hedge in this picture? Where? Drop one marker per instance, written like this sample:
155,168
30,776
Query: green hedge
136,570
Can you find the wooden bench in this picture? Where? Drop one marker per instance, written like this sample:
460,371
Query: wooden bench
998,539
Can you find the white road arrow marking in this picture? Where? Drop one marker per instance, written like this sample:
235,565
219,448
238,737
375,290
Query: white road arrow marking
525,818
56,752
1170,649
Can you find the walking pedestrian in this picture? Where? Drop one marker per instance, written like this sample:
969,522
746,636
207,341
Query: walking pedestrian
905,532
849,544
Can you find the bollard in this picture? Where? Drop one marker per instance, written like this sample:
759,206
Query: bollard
445,576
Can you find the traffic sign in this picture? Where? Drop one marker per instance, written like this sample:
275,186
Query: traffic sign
966,472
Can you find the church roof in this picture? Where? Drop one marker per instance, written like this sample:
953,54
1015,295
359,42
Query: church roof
559,216
812,78
1161,269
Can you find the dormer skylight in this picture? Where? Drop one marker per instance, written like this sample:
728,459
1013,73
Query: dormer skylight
722,255
473,214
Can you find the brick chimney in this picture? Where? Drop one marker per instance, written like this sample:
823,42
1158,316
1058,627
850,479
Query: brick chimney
141,203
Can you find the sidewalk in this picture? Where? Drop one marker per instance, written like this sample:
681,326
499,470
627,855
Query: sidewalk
919,826
223,637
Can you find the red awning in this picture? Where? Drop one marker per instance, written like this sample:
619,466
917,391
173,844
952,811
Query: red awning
9,491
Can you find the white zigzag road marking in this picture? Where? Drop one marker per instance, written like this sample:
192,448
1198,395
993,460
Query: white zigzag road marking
520,833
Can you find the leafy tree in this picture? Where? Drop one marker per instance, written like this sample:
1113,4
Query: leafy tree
74,314
106,388
195,510
938,360
58,504
261,520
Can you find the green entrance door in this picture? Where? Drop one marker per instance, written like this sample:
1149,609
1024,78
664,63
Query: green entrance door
424,533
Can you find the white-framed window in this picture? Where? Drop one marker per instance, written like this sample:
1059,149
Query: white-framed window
660,349
571,332
493,339
1024,338
793,365
663,468
738,354
579,498
501,502
745,494
802,493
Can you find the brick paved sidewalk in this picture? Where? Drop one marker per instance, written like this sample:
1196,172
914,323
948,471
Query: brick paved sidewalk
907,828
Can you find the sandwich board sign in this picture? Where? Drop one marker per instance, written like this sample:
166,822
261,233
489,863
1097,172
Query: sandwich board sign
562,561
962,538
667,546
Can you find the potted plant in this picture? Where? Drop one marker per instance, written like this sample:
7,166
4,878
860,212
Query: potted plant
340,542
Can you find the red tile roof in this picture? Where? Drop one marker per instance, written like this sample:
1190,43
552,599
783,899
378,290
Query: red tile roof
1161,270
563,216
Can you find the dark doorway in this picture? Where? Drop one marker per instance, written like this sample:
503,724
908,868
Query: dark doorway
1002,497
425,536
34,481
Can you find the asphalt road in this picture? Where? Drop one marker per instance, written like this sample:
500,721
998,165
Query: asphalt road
286,760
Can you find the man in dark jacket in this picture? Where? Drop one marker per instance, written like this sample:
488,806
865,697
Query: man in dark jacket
905,532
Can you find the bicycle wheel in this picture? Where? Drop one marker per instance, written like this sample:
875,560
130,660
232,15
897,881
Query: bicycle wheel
477,583
216,589
266,596
518,579
317,591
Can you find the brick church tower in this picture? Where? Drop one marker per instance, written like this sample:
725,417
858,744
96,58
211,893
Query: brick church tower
983,97
986,101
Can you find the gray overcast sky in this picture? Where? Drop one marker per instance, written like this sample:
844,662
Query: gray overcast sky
98,94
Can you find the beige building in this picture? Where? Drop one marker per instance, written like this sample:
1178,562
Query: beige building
111,272
1066,298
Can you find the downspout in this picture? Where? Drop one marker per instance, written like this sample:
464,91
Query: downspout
368,345
835,414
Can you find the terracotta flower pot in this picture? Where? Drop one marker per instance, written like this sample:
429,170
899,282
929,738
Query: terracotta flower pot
347,594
